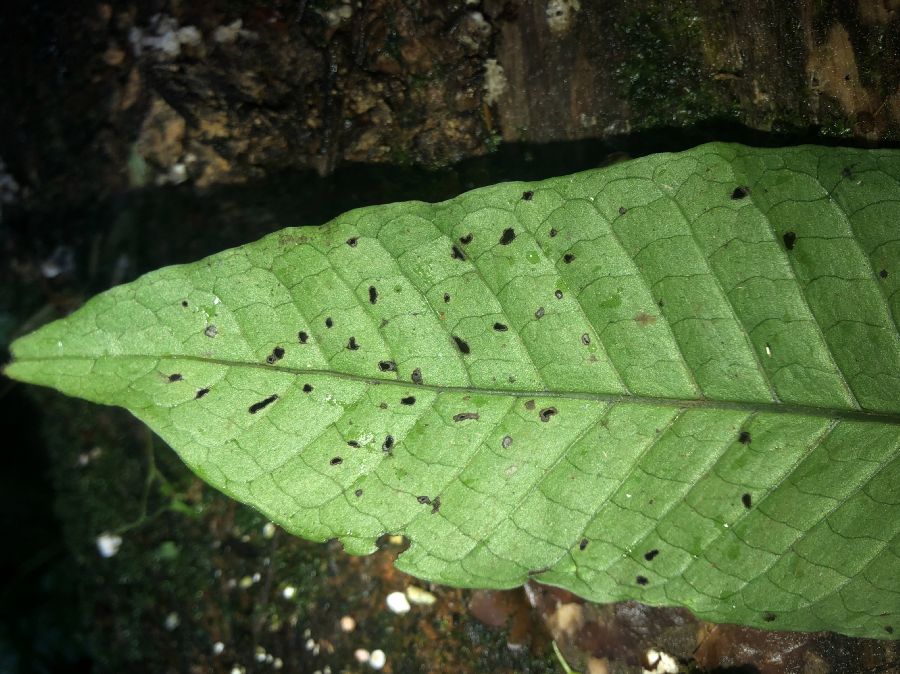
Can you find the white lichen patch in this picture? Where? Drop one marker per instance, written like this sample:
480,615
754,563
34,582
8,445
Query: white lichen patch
561,15
495,82
662,663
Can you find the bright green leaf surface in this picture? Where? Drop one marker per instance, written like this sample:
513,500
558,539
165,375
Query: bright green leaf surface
676,380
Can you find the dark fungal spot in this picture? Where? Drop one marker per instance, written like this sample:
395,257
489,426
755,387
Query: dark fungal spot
373,295
883,273
744,438
416,376
508,236
211,331
585,339
200,393
408,400
546,413
747,500
382,406
184,303
424,500
329,323
740,192
358,493
303,337
307,388
464,416
622,210
461,345
889,629
846,172
568,257
256,407
506,442
500,327
539,313
352,345
553,232
466,240
446,297
435,504
641,580
770,617
388,444
527,195
529,405
175,377
387,366
336,461
558,294
352,241
457,254
651,554
583,544
276,355
789,238
353,443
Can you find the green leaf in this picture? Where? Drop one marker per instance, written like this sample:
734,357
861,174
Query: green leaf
676,380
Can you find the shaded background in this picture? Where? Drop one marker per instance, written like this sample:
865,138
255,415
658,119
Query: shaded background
151,132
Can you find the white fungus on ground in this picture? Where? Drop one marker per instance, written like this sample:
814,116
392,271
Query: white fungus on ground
420,597
377,659
662,663
172,621
218,648
348,624
398,603
108,544
288,592
362,655
268,530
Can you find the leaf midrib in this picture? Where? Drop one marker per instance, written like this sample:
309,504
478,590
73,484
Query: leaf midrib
733,405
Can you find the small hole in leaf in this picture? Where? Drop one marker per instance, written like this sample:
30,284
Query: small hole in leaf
336,461
211,331
740,192
408,400
446,297
307,388
358,493
583,544
641,580
175,377
416,376
568,257
387,366
302,336
461,345
747,500
329,323
388,444
770,617
586,339
423,499
373,295
622,210
200,393
506,442
508,236
256,407
184,303
276,355
546,413
457,254
528,195
466,240
651,554
464,416
553,232
353,443
558,294
883,273
789,238
539,313
352,241
500,327
744,438
352,345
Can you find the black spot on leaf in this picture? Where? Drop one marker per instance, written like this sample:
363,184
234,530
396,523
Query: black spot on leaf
352,241
622,210
508,236
463,416
539,313
457,254
889,629
373,295
329,323
558,294
424,499
302,337
408,400
175,377
336,461
583,544
651,554
585,339
744,438
388,444
416,376
256,407
546,413
353,443
358,493
276,355
527,195
506,442
568,257
307,388
387,366
740,192
211,331
770,617
789,239
883,273
500,327
461,345
352,345
200,393
641,580
747,500
846,172
184,303
553,232
446,297
466,240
